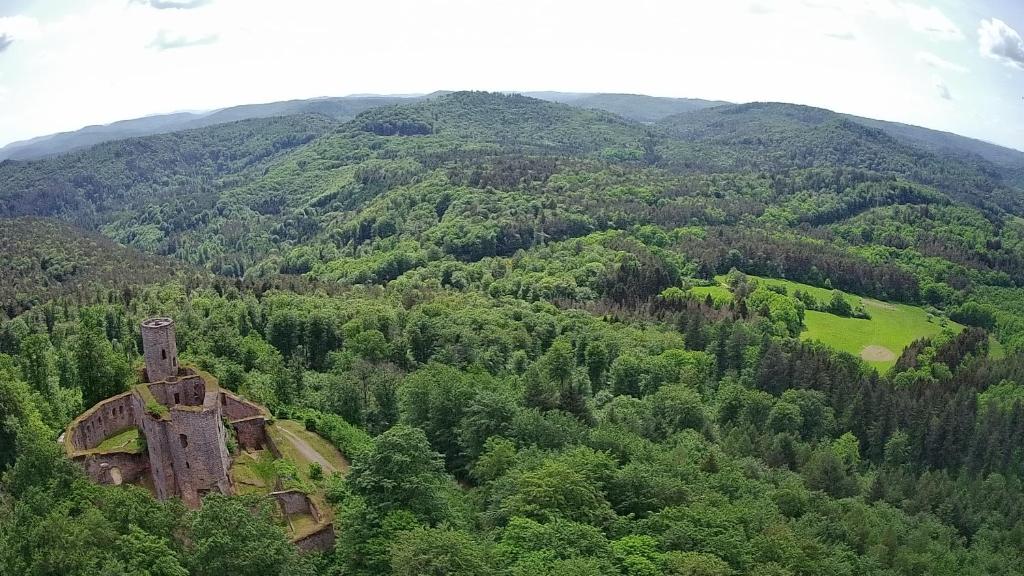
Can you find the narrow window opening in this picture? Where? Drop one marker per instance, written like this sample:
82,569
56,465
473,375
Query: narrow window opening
184,441
163,354
177,398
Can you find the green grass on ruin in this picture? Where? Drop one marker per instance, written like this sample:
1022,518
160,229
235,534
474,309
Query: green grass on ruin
127,441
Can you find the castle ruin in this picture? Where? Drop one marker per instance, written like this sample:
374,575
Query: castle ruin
181,414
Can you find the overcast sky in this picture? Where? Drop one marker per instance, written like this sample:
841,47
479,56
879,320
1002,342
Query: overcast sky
956,66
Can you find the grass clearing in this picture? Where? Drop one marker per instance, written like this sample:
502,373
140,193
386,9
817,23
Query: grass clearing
246,473
127,441
720,295
879,341
995,349
891,328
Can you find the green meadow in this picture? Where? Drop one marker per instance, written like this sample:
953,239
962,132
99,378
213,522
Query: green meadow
719,294
878,340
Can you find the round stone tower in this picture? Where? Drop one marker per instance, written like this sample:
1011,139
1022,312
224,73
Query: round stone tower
159,349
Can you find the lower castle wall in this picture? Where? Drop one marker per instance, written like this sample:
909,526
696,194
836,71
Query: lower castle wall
100,467
188,390
197,444
235,408
160,463
320,541
102,421
251,433
294,502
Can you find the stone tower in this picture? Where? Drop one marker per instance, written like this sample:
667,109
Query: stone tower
159,349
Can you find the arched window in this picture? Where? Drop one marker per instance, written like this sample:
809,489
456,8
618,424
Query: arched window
163,354
184,440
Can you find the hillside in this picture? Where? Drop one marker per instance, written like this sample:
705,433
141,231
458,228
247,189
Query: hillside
771,137
43,259
638,107
544,339
341,108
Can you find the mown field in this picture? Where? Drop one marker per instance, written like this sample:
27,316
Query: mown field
878,340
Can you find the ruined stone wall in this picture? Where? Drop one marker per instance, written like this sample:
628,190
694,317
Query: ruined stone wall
320,540
294,502
105,419
161,465
114,467
251,432
235,408
197,442
159,348
187,390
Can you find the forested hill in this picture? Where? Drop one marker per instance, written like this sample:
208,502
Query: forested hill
634,107
43,259
773,137
343,108
744,340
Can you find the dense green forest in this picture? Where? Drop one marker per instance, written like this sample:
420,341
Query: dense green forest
504,312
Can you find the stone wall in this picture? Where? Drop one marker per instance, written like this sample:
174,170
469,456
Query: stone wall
161,464
320,540
114,467
196,439
236,408
105,419
295,502
187,391
251,432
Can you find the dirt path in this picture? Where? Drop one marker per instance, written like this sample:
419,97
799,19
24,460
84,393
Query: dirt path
875,353
307,451
878,304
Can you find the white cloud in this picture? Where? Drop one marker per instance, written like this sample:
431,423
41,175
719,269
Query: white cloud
166,40
19,28
178,4
931,20
927,20
942,89
933,61
844,35
998,41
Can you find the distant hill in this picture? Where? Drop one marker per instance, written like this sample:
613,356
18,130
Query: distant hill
41,259
633,107
771,136
62,142
87,185
506,119
639,107
1008,159
342,108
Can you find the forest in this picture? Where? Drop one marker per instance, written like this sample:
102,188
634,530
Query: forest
549,339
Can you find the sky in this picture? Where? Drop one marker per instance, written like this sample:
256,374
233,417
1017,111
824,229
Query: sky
949,65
